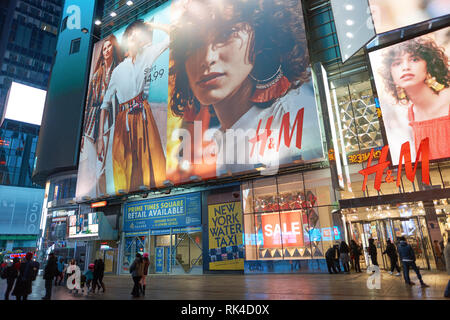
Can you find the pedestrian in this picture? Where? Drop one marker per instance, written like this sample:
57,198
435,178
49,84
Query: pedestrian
447,264
356,252
137,270
438,251
27,274
89,275
331,256
336,257
392,254
373,252
60,272
146,262
50,272
99,271
344,251
408,259
10,273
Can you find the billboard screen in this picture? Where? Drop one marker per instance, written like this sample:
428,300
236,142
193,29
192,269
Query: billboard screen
25,104
199,88
412,80
389,15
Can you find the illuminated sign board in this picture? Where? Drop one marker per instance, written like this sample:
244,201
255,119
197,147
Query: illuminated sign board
284,229
98,204
83,225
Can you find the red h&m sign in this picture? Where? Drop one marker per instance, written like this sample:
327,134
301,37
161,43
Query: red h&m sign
405,154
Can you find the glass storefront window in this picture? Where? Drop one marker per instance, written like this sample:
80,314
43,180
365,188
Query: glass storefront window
286,223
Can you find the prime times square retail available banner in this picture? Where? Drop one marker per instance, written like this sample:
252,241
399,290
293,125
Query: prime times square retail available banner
412,79
199,88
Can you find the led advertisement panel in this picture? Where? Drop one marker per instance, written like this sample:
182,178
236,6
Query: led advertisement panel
412,80
25,104
354,25
20,210
196,89
389,15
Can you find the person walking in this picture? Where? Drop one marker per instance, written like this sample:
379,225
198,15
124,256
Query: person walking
146,262
447,264
60,275
344,251
27,274
355,250
329,257
50,272
408,259
99,271
392,254
89,275
10,273
137,270
373,252
439,253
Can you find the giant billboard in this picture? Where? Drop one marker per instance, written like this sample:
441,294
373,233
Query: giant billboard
412,80
389,15
196,89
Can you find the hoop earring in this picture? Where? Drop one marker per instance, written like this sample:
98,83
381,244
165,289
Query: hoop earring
433,84
271,88
401,94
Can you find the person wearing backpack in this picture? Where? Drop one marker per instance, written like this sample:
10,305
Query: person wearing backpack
27,274
99,271
50,272
10,274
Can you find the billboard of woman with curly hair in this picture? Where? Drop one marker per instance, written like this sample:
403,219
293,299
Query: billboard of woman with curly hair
240,89
413,84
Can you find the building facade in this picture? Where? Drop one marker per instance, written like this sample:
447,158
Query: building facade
251,219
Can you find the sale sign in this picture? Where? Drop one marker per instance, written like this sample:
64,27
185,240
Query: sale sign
284,229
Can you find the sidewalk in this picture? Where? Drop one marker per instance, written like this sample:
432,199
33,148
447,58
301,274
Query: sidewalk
258,287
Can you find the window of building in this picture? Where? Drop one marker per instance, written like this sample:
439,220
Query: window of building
75,46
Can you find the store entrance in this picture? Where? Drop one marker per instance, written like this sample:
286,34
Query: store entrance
412,228
179,253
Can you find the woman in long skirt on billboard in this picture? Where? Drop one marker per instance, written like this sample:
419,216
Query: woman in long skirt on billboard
416,73
241,65
93,150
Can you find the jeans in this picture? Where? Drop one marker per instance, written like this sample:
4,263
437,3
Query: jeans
48,288
357,265
406,266
394,264
374,260
10,285
136,287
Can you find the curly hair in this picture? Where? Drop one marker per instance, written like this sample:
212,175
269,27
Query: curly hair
424,48
277,29
117,53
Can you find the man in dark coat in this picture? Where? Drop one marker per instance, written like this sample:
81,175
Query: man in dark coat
373,252
408,259
99,270
27,274
392,254
50,272
11,272
331,256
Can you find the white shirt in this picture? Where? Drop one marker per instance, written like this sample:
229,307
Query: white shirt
237,156
128,78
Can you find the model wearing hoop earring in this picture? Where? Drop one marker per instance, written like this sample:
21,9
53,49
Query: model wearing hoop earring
401,94
271,88
433,84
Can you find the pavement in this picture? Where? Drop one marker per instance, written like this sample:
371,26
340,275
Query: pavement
353,286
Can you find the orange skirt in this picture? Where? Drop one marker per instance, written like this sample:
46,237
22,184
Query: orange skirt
138,155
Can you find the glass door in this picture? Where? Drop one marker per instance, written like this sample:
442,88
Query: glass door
410,229
186,254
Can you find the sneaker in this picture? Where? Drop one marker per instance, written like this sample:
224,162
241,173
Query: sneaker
398,274
390,272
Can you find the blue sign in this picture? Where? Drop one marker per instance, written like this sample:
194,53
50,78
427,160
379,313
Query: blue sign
169,212
159,259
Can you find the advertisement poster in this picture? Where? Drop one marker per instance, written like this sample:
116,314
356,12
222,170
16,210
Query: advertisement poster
83,225
226,246
282,230
412,80
177,93
176,211
124,132
389,15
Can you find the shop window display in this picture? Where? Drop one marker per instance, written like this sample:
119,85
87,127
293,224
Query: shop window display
285,223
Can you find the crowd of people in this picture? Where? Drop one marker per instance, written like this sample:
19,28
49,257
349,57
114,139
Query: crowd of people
21,274
342,255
